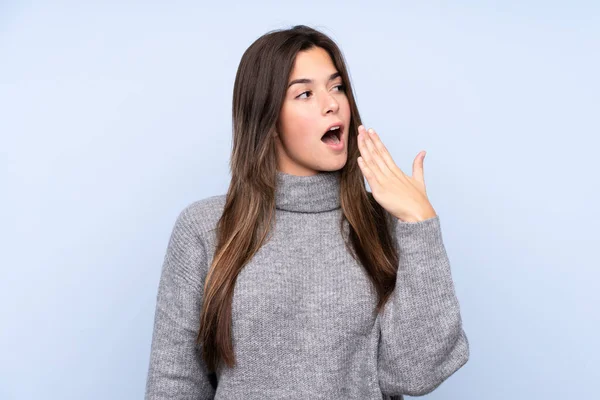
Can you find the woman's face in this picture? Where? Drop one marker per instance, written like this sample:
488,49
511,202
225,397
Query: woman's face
308,110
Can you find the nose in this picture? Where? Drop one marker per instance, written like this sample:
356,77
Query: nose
331,104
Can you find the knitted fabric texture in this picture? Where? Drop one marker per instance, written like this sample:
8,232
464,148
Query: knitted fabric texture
303,313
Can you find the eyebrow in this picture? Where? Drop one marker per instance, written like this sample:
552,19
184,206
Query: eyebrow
306,80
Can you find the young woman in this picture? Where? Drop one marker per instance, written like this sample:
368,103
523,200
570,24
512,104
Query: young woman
299,283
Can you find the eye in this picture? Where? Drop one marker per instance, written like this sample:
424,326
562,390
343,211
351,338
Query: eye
308,91
341,88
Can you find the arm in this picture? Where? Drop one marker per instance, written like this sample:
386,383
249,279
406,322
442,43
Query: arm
177,369
422,341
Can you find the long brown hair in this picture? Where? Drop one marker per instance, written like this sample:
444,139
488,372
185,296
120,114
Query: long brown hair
258,94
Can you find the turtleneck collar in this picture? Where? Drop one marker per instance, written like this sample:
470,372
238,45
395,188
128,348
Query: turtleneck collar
309,194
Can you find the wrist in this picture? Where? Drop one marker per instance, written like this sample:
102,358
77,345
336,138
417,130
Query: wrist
419,217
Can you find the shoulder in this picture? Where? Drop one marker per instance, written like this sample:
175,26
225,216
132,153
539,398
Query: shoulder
201,216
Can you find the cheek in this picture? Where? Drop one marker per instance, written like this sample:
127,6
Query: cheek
295,119
302,134
345,105
299,127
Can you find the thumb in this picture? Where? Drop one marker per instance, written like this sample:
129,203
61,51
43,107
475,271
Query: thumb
418,173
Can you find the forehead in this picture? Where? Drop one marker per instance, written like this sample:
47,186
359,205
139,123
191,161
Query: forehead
313,63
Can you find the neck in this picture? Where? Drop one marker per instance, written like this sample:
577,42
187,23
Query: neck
308,194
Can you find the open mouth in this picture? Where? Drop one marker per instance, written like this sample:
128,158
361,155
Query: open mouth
333,136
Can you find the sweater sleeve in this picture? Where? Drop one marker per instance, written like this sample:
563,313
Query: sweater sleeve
177,370
422,341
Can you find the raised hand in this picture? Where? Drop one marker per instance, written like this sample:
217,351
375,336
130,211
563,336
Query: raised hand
402,196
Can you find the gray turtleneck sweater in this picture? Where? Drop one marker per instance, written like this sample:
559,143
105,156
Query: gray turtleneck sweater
304,321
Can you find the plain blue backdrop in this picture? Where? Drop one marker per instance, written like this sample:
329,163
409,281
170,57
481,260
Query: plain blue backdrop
116,115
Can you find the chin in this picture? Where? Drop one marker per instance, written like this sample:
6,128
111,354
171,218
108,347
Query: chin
333,166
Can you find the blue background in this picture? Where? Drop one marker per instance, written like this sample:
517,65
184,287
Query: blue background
116,115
